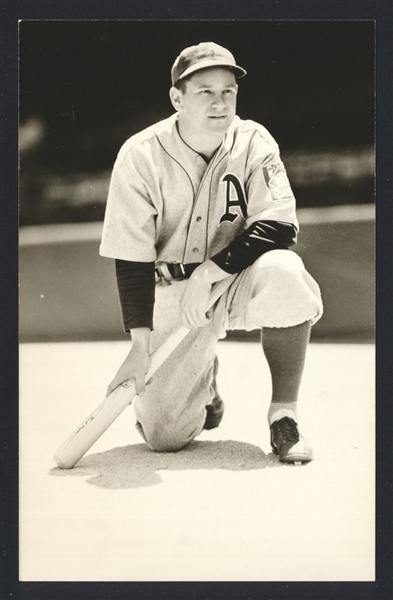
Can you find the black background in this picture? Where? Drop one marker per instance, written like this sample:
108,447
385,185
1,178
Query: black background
312,83
92,84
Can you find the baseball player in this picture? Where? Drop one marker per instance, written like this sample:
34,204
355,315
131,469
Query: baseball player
192,199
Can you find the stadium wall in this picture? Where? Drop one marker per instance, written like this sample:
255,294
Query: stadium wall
68,292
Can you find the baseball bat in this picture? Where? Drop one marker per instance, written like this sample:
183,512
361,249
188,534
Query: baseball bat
91,429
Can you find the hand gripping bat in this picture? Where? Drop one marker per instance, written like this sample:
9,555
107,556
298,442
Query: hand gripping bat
88,432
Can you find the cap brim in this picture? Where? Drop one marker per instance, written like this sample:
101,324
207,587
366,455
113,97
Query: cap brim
205,64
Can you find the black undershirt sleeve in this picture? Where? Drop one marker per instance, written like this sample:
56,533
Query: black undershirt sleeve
259,238
136,287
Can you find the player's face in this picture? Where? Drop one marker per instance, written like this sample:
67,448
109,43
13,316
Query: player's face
208,103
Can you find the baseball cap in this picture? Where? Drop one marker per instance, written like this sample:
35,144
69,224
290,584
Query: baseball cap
202,56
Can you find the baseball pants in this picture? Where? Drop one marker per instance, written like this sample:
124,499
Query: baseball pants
276,291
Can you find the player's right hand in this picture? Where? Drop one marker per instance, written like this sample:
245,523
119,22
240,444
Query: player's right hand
135,366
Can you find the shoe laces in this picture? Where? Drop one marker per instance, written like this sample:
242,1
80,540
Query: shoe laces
285,430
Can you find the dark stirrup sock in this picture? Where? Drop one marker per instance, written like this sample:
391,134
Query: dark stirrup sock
285,350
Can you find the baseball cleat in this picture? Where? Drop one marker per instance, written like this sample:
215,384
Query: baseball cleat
288,443
214,413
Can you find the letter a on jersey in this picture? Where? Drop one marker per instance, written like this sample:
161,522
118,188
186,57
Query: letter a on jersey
240,199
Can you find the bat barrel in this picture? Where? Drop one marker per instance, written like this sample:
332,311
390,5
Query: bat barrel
81,440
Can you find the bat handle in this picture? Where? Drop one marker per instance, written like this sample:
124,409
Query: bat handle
220,287
162,352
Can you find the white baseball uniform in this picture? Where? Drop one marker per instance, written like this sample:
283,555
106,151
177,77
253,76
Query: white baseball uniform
166,204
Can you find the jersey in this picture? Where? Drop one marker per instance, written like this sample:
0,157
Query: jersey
166,204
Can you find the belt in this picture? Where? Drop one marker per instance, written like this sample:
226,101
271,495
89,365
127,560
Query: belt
176,271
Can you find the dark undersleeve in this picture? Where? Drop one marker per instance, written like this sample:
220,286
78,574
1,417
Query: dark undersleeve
259,238
136,286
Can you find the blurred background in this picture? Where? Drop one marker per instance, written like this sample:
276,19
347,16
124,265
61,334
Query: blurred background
86,86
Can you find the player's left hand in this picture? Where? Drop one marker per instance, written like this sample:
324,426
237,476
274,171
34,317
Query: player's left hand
194,303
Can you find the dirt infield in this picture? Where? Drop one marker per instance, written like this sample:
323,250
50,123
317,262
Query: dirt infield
222,509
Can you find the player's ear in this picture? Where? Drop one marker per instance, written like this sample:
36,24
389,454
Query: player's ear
176,98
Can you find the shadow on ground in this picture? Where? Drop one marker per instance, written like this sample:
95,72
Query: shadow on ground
137,466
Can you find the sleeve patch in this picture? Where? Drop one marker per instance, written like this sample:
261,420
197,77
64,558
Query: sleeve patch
277,181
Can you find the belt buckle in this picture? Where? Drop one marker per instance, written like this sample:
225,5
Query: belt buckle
163,270
178,267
